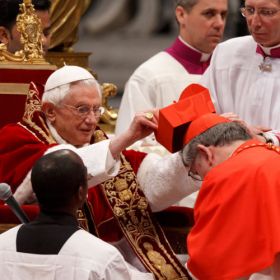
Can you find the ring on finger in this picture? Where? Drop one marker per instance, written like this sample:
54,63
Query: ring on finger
149,116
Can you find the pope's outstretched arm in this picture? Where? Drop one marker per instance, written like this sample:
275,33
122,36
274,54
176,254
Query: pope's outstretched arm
101,159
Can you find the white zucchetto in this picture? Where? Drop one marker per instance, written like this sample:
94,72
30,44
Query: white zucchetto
65,75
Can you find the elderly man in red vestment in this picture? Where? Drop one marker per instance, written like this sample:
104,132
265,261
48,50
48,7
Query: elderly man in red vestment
236,233
67,118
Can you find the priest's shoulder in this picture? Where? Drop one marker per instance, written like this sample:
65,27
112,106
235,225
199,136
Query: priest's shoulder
8,239
156,65
236,45
87,244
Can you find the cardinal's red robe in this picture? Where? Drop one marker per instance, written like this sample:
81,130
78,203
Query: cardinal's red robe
237,214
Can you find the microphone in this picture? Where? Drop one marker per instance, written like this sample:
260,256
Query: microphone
7,196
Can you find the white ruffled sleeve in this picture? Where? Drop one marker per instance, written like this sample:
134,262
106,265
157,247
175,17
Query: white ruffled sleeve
165,180
97,158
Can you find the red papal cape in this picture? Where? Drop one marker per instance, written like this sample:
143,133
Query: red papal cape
237,215
19,149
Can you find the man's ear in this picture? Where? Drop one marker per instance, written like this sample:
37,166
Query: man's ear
49,111
180,13
4,35
207,153
82,195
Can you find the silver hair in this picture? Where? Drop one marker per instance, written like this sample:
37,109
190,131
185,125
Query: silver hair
219,135
56,95
186,4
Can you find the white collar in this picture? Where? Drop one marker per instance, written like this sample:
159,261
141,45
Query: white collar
268,49
204,56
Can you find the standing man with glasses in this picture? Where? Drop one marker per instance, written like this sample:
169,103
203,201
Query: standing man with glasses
236,233
244,74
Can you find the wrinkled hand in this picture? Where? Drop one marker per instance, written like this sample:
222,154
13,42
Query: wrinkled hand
140,127
232,116
259,129
255,131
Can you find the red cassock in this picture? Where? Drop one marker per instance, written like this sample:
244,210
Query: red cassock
237,214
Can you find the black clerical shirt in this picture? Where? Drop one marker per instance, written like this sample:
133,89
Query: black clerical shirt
47,234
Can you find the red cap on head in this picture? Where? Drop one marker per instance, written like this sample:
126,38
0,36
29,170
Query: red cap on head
201,124
174,119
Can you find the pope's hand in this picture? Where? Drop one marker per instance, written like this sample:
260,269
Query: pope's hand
143,124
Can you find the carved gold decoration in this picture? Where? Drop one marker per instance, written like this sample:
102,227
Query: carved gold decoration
30,29
5,55
108,119
65,17
160,263
108,90
33,119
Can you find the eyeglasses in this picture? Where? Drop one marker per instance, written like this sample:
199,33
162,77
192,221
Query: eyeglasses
248,12
193,175
84,110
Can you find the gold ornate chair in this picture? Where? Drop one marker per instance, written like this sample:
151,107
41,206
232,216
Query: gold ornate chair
19,69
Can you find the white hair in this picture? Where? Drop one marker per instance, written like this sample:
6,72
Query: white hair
57,94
